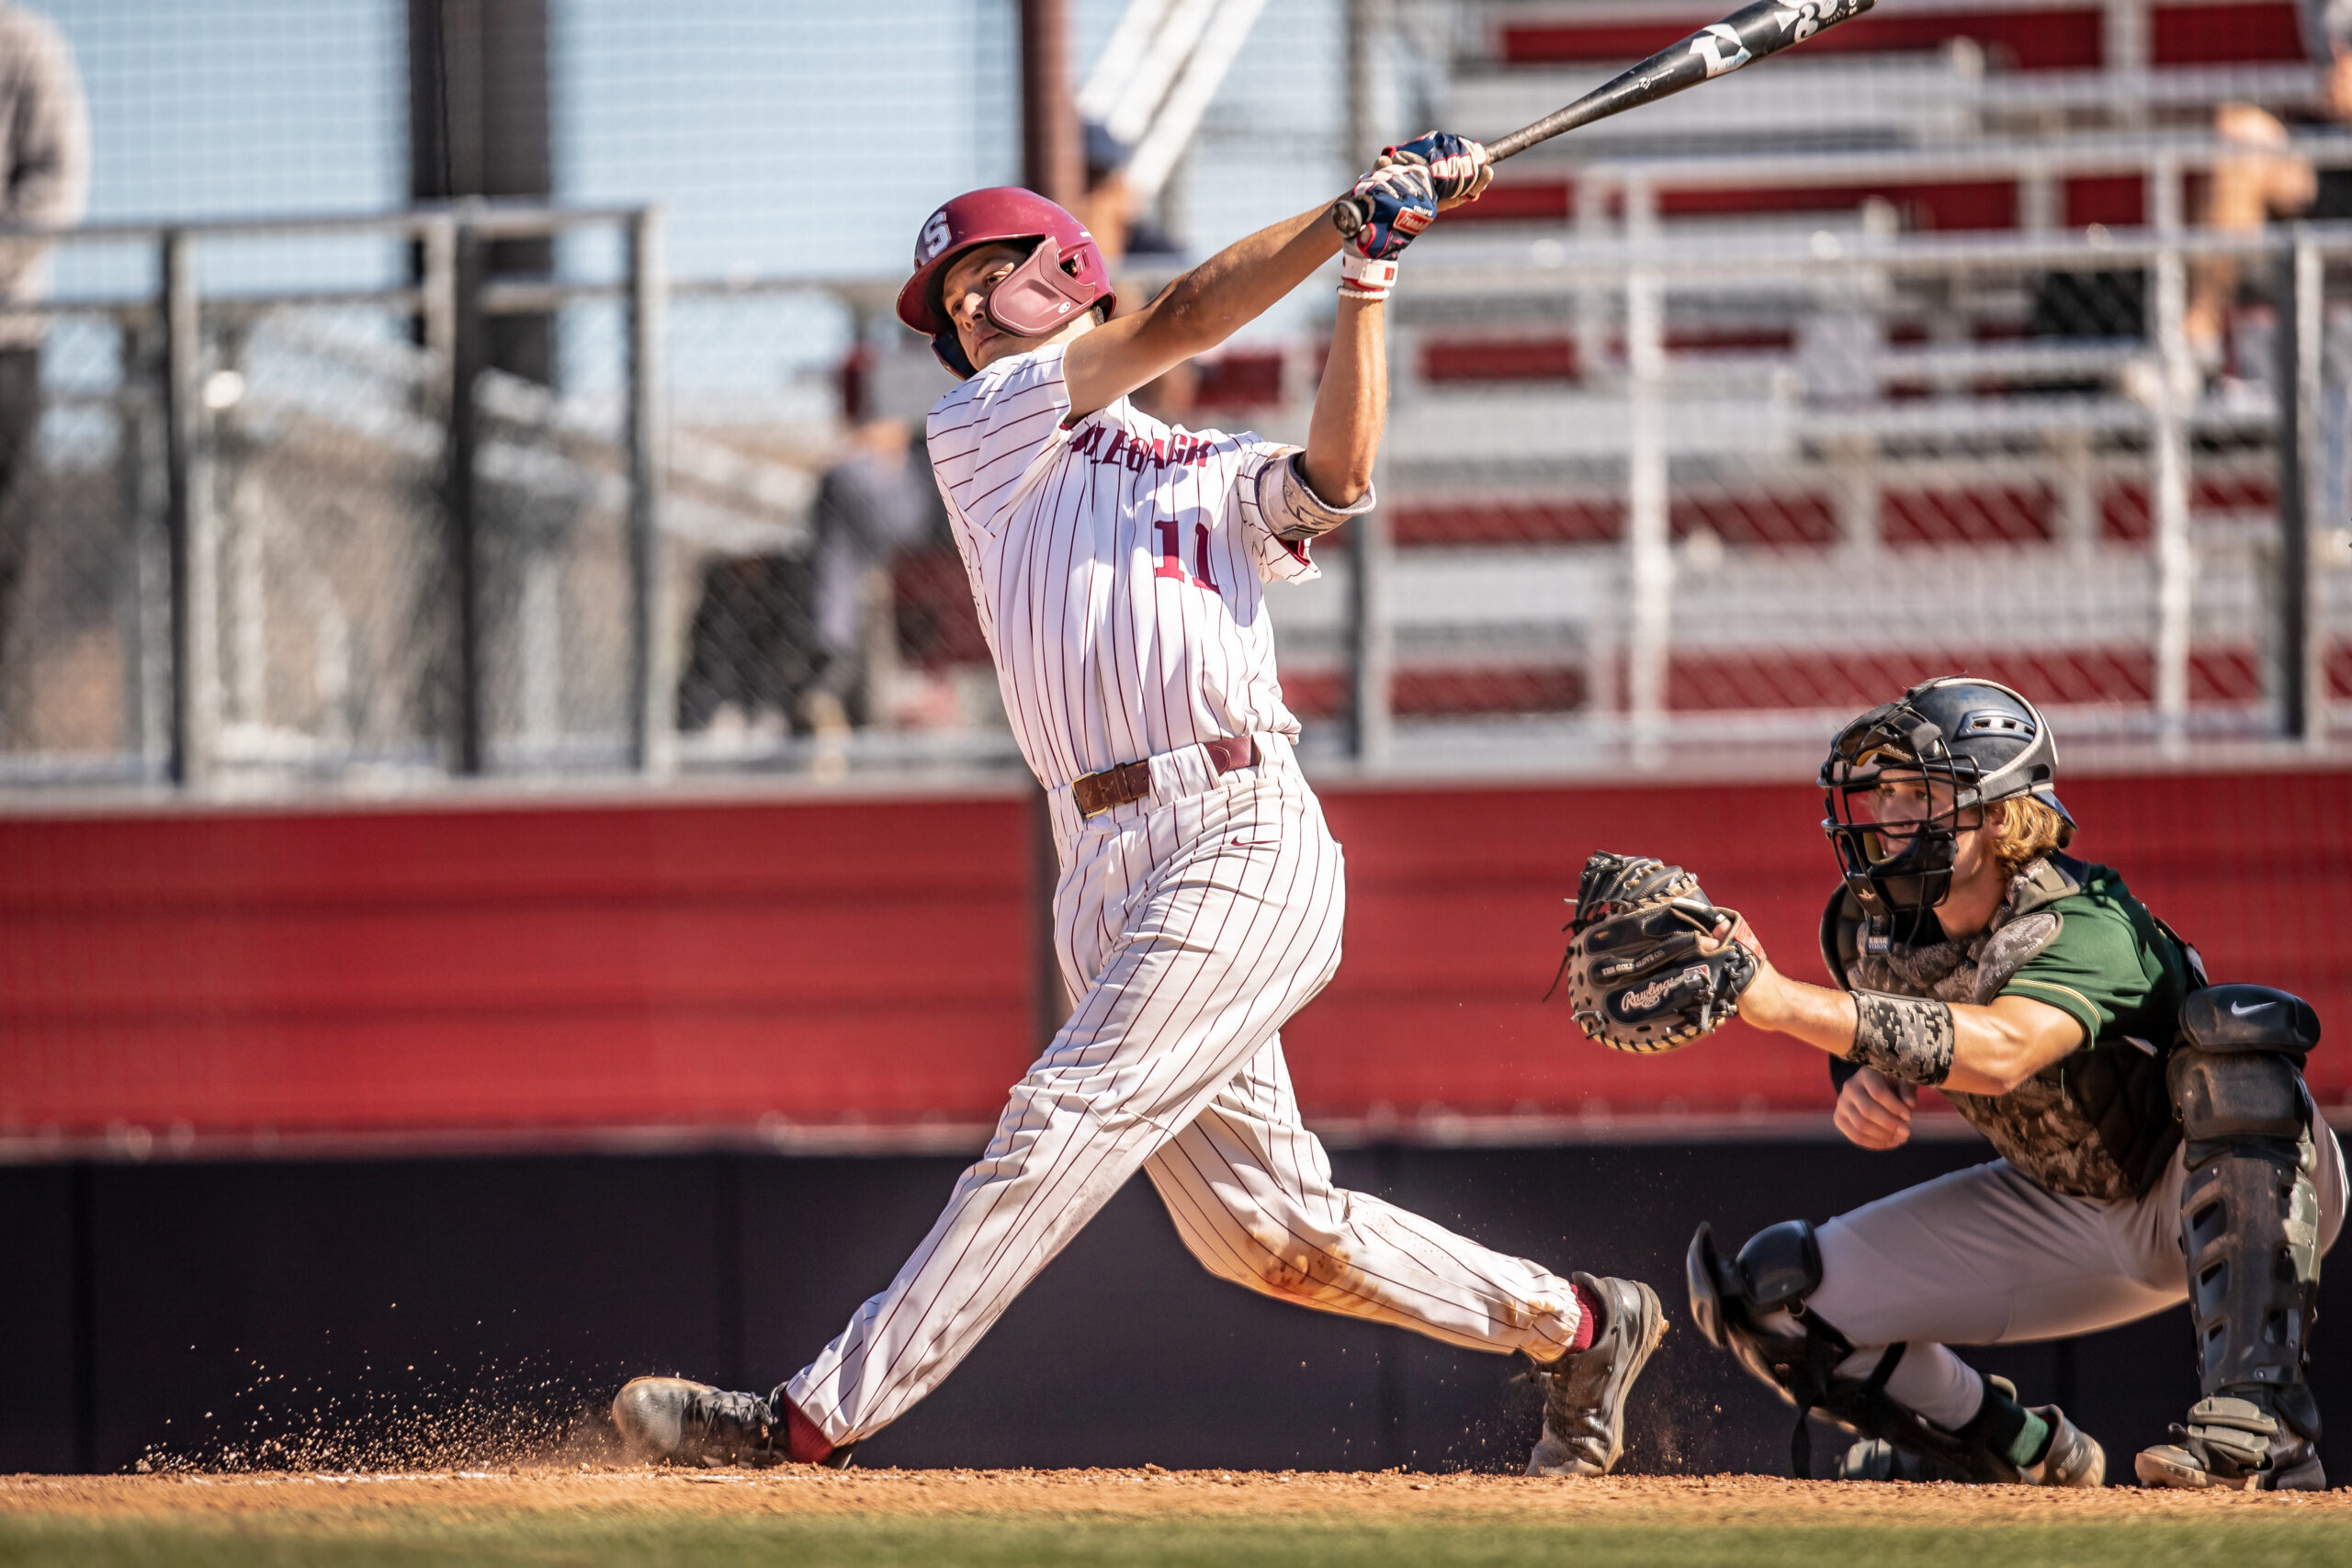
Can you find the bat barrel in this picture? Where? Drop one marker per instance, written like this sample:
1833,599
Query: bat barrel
1748,34
1766,26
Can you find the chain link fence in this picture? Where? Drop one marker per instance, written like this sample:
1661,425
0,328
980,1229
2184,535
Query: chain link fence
1920,355
1794,478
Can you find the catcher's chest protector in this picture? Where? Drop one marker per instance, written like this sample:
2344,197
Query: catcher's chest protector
2099,1124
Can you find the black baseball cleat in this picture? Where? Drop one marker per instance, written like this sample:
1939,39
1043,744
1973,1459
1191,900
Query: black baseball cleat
682,1422
1584,1393
1875,1459
2073,1459
2237,1445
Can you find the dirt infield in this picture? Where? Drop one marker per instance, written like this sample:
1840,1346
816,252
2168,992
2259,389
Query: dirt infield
601,1517
795,1489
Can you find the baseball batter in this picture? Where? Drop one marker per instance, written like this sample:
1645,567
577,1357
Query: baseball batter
2157,1142
1119,565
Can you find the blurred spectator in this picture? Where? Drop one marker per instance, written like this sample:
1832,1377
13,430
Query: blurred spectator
45,152
1111,211
2328,28
752,652
876,504
2258,177
800,641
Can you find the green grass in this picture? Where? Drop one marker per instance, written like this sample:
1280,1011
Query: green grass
395,1538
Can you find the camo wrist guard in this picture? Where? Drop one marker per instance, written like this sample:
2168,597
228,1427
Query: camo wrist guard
1908,1038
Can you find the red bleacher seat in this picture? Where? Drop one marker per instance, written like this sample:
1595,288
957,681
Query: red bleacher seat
2024,39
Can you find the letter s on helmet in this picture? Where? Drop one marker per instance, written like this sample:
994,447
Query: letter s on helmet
1063,276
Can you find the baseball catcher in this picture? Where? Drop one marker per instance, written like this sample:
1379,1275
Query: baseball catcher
2156,1140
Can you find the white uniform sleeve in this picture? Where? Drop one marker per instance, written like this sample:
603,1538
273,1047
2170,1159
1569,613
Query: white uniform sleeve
985,434
1282,514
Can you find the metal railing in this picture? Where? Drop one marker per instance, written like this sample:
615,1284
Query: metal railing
176,371
1642,427
1760,460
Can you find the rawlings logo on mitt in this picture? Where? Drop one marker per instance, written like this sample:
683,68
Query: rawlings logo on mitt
1637,978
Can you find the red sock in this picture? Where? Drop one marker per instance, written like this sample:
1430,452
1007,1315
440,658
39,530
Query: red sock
805,1444
1588,1319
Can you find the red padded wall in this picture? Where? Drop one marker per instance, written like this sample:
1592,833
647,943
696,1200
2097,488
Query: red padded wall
1456,904
674,964
653,963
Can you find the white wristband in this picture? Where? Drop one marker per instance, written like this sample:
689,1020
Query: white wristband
1361,278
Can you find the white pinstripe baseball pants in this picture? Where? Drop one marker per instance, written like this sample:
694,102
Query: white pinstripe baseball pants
1190,924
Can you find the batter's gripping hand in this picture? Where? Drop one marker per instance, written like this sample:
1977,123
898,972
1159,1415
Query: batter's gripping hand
1458,168
1640,978
1389,207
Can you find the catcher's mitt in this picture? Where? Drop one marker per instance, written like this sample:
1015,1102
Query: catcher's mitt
1637,979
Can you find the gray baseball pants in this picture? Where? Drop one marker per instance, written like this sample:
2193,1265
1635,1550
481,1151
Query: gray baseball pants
1986,1257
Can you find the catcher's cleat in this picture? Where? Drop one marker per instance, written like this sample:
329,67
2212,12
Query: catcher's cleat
2073,1459
1584,1393
2236,1445
1875,1459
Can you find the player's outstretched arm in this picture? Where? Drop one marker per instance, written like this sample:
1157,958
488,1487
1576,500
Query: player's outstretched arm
1351,405
1214,300
1981,1050
1199,310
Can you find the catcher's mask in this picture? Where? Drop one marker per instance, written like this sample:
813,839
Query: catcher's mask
1903,781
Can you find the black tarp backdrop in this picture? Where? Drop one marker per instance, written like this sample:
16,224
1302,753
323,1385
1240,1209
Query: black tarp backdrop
367,1297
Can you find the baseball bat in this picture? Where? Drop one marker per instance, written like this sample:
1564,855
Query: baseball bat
1748,34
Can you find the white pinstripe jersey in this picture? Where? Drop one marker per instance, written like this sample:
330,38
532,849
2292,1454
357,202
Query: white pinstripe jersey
1119,567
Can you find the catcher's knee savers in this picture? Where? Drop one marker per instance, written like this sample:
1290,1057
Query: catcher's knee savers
2250,1218
1731,1299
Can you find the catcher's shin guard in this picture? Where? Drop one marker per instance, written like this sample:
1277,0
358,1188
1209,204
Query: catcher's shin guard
2250,1229
1733,1299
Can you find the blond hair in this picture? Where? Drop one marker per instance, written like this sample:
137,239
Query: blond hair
2026,829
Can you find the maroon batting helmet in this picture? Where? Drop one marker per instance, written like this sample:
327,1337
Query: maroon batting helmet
1063,276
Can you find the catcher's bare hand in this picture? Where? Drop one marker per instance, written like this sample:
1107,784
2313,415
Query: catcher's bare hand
1874,1112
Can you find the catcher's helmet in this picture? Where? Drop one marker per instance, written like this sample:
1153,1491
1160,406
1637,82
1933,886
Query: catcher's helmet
1063,274
1968,743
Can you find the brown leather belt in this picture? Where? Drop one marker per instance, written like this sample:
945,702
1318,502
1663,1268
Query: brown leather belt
1096,793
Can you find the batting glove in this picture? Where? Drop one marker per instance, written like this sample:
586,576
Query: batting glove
1457,165
1391,205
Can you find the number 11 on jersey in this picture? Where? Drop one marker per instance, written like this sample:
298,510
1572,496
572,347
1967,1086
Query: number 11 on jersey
1172,565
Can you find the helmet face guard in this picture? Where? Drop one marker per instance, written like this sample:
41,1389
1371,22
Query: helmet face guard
1894,802
1040,294
1903,781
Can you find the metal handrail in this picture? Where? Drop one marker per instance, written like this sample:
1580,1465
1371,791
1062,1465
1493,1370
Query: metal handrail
1569,262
